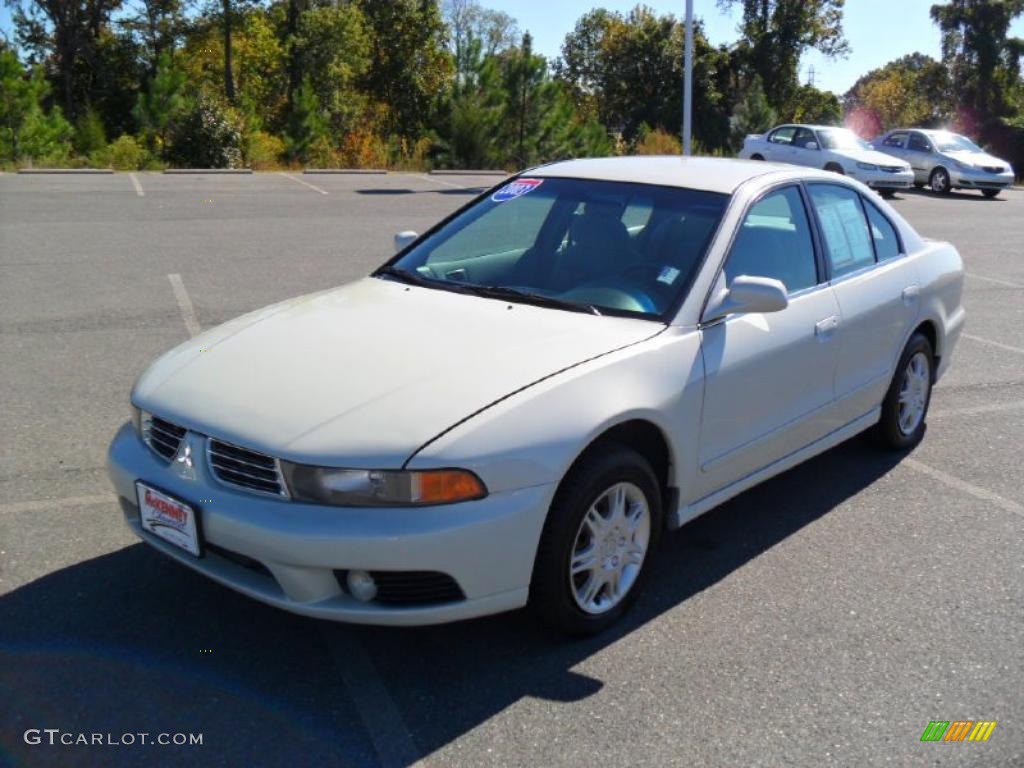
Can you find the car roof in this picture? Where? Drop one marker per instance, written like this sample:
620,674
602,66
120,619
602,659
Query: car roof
711,174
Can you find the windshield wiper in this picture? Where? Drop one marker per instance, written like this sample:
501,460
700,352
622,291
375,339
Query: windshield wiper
526,297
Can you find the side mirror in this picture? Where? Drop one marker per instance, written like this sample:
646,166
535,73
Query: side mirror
403,239
748,294
811,145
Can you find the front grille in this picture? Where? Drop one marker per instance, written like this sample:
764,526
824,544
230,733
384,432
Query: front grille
993,168
891,168
162,436
245,469
411,587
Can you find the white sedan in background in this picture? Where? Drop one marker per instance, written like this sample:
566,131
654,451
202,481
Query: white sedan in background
831,149
517,406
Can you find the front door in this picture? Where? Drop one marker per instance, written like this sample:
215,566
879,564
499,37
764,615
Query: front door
768,377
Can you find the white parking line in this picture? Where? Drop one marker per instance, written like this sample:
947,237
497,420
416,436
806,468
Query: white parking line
1015,405
188,312
962,485
384,724
138,187
41,505
1007,283
296,179
999,344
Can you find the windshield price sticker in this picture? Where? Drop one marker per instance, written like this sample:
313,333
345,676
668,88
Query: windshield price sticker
515,189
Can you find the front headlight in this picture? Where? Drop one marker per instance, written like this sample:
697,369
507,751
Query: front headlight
136,419
867,166
963,166
381,488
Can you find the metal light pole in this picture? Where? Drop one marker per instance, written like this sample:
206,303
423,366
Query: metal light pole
688,80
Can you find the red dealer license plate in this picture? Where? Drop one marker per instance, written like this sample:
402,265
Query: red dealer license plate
172,520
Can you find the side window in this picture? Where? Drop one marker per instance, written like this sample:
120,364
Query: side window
895,140
918,143
774,240
783,135
847,240
883,233
802,137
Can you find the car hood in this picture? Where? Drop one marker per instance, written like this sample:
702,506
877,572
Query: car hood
365,374
869,156
975,158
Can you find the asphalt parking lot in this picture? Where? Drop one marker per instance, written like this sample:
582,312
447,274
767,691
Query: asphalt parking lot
823,618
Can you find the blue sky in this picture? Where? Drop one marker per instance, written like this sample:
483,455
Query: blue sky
878,30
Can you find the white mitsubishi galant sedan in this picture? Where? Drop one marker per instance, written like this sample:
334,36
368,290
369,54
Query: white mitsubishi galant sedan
515,407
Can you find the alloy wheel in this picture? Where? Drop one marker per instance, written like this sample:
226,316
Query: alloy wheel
609,550
913,397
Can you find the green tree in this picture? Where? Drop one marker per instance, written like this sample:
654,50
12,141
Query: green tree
774,35
162,101
983,60
476,31
911,90
65,33
307,123
752,114
409,63
89,133
332,47
158,25
26,131
206,136
811,105
627,71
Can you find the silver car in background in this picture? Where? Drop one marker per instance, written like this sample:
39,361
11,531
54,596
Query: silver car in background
946,161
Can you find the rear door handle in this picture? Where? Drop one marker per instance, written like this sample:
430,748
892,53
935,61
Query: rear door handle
823,328
910,294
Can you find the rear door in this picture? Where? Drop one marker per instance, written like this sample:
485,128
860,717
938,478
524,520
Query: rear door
768,377
877,290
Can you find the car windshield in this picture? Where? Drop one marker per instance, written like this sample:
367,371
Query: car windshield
954,142
841,138
604,247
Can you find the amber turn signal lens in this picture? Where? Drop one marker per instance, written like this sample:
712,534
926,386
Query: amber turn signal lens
444,486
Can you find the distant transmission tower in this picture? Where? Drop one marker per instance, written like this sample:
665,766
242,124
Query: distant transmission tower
810,75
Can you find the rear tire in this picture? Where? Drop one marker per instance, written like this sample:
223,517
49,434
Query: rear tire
756,157
939,181
905,408
594,553
835,168
888,194
991,193
919,185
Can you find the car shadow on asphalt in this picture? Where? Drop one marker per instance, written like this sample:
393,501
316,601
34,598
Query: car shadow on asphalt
131,642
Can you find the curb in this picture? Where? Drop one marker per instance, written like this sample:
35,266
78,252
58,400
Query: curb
208,170
74,171
355,171
477,172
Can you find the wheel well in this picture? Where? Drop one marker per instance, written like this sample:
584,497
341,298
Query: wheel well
756,156
646,439
832,166
927,329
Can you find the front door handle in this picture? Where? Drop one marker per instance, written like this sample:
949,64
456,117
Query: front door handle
823,328
910,294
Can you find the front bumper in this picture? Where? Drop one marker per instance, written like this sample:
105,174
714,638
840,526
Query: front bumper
289,551
977,179
884,179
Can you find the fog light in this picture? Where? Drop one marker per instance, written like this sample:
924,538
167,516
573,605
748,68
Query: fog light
361,585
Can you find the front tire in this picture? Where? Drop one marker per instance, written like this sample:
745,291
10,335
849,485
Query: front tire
940,182
905,407
835,168
600,535
991,193
756,157
888,194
